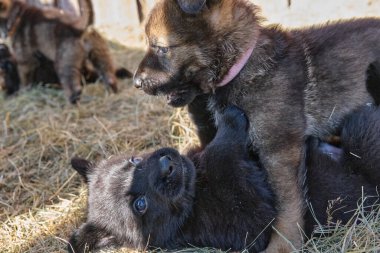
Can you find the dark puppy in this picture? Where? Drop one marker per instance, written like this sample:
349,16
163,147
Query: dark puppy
219,198
10,82
291,83
58,37
346,174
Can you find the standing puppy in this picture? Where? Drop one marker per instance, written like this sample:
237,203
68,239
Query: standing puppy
292,83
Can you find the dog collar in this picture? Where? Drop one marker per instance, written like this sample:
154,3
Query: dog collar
237,67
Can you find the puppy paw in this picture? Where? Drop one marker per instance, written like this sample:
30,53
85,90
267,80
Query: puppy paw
234,118
75,97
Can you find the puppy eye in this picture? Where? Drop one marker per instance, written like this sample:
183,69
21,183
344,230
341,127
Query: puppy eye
162,50
140,205
135,160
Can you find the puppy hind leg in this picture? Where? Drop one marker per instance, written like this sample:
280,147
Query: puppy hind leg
283,166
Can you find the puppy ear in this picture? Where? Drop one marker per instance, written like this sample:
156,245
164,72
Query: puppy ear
82,166
90,237
191,6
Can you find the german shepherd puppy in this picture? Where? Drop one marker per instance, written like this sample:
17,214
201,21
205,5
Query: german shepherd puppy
208,54
58,37
216,197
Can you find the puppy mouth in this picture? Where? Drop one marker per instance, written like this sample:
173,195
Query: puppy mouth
175,96
177,99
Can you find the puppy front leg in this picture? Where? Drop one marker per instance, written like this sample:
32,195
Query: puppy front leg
202,119
69,60
283,165
99,55
26,71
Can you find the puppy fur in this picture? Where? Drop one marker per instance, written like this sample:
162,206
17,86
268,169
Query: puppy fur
10,81
60,38
216,197
44,73
84,9
296,83
223,202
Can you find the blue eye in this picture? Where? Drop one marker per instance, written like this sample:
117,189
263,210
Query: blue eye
135,160
162,50
140,205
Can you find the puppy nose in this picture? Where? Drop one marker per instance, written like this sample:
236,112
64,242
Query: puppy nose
166,166
138,82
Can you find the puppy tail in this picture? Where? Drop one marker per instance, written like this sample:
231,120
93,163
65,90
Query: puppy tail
123,73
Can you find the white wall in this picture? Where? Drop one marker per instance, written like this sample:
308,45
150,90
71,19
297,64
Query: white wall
307,12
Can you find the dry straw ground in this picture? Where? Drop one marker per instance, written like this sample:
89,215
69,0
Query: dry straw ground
42,200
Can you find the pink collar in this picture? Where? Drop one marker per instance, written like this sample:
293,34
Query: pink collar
237,67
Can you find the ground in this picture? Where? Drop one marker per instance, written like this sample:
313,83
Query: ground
42,200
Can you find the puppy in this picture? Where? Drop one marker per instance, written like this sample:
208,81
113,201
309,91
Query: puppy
10,81
216,197
208,54
58,37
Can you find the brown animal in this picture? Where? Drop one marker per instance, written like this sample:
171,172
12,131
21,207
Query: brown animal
58,37
208,54
45,72
77,8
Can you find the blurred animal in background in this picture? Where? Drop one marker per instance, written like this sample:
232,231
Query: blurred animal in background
9,78
45,72
43,36
76,8
219,196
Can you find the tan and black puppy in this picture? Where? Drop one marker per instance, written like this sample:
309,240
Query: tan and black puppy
57,36
292,83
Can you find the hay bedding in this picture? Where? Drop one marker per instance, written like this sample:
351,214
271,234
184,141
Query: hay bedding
42,200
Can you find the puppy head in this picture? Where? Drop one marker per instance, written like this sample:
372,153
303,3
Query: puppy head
192,46
134,202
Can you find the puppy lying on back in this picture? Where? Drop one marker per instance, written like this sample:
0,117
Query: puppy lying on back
216,197
292,84
60,38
